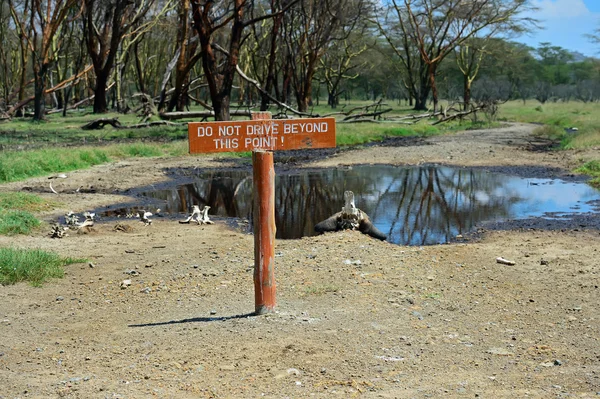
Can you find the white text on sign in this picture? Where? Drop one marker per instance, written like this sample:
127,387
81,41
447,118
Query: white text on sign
275,134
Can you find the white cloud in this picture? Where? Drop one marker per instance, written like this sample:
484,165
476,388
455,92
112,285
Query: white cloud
561,9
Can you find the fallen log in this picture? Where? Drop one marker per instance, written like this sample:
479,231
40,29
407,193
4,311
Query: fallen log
100,123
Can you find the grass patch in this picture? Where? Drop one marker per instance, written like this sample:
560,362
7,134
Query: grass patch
59,130
24,202
34,266
14,222
591,168
20,165
559,116
353,134
15,212
138,150
549,131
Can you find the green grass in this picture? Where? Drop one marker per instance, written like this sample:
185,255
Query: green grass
32,265
24,202
584,116
17,222
353,134
20,165
591,168
15,212
59,130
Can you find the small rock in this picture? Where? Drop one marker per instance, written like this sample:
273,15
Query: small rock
91,265
544,262
213,312
352,262
60,298
557,362
499,352
293,371
417,315
146,290
125,283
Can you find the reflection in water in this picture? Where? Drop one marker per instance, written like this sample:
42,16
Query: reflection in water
412,205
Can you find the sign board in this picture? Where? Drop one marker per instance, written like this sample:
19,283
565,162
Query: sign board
262,134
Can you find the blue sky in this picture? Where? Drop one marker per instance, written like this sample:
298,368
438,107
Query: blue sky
565,23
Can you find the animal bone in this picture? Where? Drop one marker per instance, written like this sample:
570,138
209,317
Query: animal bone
198,216
145,217
350,218
71,219
58,231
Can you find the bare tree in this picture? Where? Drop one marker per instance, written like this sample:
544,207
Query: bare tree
187,57
309,31
45,20
220,27
437,27
107,22
468,58
338,64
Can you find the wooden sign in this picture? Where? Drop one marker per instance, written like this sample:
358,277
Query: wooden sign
262,134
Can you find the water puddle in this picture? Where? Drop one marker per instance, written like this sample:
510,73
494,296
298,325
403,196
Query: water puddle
412,205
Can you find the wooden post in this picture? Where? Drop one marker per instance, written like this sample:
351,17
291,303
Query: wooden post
264,227
262,135
264,231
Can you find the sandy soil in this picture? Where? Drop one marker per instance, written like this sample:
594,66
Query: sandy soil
356,317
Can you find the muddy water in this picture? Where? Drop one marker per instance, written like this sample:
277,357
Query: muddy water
412,205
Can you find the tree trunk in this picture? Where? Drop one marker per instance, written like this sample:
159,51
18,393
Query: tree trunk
138,68
221,108
264,102
39,105
100,104
421,98
433,86
466,92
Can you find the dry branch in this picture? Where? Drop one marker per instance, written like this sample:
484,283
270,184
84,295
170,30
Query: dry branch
458,115
367,115
150,124
268,95
199,114
65,83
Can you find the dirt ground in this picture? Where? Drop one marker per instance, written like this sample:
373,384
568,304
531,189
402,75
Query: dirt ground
355,317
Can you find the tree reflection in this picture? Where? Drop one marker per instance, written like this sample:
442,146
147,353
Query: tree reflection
412,205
